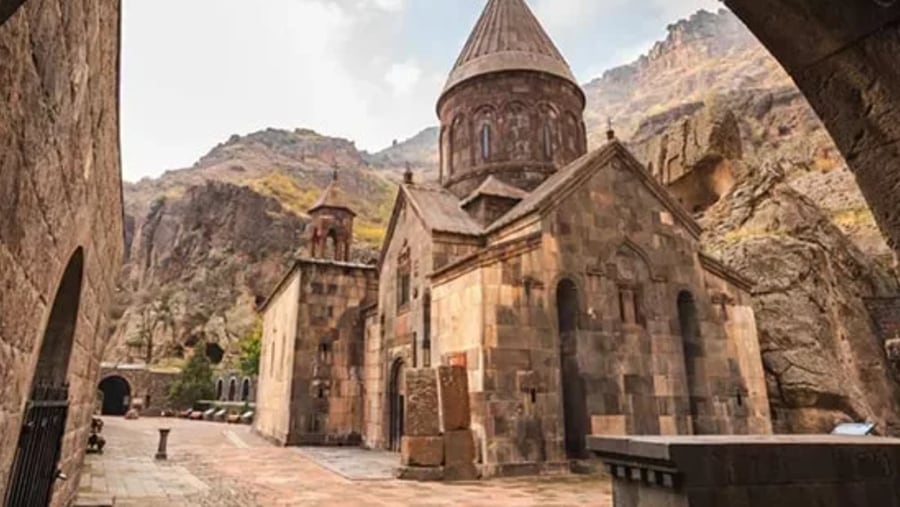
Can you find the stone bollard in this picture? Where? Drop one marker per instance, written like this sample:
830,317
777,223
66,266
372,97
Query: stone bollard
163,439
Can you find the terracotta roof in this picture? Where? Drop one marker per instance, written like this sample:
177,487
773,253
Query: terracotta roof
440,210
508,37
555,185
332,197
497,188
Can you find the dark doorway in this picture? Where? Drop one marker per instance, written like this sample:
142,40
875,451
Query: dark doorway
574,403
38,450
397,399
232,389
689,325
220,389
245,390
116,395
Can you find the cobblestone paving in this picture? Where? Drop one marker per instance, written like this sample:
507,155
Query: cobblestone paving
214,465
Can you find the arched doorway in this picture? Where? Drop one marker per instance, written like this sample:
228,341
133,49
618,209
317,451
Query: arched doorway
34,470
574,404
220,389
397,405
245,389
116,395
689,326
232,389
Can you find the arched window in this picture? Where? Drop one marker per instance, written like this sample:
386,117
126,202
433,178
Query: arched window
245,389
459,145
220,389
548,143
485,142
232,389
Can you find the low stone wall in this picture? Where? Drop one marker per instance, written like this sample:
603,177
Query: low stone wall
149,386
770,471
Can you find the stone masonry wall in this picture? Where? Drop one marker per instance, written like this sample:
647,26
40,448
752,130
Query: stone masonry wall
145,384
60,190
327,383
273,395
629,262
516,106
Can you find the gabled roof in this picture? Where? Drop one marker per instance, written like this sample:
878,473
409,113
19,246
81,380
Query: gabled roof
437,208
566,180
332,197
495,187
508,37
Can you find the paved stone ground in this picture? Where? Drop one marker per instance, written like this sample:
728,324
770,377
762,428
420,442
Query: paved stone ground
215,465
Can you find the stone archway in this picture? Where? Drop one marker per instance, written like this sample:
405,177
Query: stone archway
396,405
116,395
575,417
59,336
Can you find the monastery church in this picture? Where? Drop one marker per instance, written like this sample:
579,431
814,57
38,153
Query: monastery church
569,287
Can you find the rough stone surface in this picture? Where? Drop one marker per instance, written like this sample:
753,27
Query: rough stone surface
453,389
842,56
60,191
147,386
422,451
772,471
459,447
422,415
421,474
824,359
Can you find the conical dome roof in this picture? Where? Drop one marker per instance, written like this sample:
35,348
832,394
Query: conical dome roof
332,197
508,37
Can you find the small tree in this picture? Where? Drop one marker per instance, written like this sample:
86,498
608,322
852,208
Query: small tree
251,348
194,383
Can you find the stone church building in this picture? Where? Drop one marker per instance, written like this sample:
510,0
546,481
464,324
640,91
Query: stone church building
570,285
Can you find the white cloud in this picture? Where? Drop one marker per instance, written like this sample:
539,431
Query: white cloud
403,77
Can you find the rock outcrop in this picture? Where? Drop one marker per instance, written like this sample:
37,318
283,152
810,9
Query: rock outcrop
199,264
824,361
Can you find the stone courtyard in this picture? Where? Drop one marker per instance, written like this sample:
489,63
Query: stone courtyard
217,465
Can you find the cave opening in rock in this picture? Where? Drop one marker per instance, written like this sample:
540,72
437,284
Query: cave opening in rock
215,353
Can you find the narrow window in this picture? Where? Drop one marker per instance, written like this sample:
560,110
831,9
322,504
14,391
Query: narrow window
403,280
622,313
548,142
485,142
638,313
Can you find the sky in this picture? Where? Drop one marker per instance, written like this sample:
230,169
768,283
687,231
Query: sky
194,72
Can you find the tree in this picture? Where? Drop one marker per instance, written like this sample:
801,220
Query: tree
194,383
251,348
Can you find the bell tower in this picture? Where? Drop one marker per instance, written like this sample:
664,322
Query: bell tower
331,230
511,107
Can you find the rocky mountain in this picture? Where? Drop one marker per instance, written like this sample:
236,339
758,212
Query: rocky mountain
206,244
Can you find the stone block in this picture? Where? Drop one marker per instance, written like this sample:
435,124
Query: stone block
459,447
421,474
608,425
462,472
421,415
453,389
422,451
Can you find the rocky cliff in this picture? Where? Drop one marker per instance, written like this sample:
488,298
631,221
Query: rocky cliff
208,243
823,357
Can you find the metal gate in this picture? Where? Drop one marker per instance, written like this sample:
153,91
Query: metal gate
37,457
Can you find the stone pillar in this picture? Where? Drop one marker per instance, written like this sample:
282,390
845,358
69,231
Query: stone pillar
459,441
163,441
422,447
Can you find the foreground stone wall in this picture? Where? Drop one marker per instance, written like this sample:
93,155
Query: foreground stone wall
782,471
60,191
